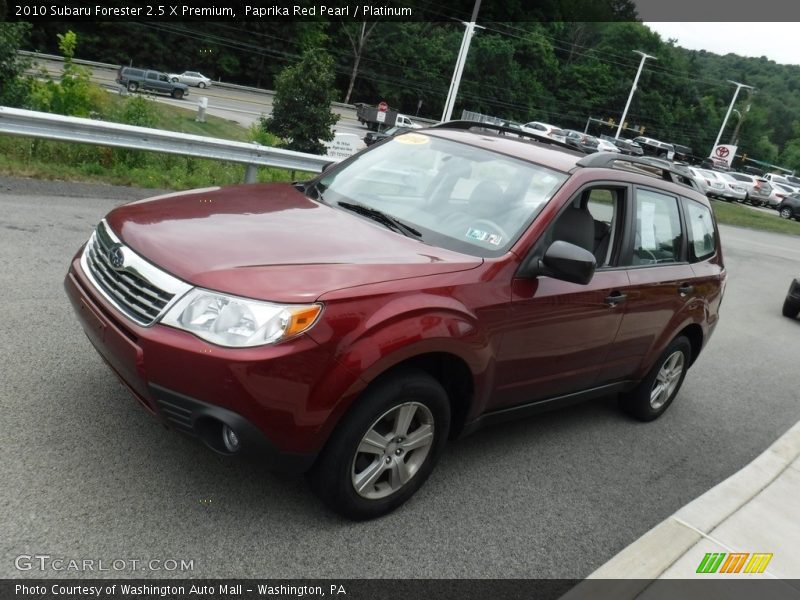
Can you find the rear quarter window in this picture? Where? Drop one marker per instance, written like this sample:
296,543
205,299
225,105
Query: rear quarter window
702,242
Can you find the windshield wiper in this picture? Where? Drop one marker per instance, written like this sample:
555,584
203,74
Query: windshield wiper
381,217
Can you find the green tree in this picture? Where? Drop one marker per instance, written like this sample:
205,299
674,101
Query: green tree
301,109
13,91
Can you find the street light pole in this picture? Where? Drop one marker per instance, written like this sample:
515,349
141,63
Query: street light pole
739,86
449,104
633,91
735,136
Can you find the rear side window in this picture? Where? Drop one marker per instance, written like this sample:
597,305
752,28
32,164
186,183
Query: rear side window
701,231
657,229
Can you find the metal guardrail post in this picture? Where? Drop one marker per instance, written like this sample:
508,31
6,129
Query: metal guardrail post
251,174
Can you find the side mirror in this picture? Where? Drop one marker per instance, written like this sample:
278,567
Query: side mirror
568,262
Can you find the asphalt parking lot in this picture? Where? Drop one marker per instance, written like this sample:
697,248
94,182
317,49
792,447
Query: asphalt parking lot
87,474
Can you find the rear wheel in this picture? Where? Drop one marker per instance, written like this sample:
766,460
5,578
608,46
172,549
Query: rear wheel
385,448
132,86
174,80
651,398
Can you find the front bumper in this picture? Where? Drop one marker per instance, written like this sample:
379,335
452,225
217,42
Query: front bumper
279,399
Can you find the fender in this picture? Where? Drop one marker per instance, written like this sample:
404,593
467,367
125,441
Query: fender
694,313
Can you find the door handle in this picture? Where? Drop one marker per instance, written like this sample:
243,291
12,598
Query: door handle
685,288
615,298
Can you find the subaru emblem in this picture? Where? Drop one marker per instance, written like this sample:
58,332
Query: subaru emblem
116,257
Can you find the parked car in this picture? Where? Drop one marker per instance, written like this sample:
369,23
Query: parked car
377,136
716,164
652,147
757,189
544,130
789,208
623,145
682,153
606,146
734,189
581,141
779,192
443,280
150,81
192,78
791,306
708,182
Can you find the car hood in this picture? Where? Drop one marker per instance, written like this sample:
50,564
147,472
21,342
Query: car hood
272,242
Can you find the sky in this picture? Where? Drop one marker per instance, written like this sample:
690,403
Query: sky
777,41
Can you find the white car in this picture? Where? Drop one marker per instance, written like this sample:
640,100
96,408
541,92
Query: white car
544,130
734,190
779,192
709,182
192,78
606,146
404,121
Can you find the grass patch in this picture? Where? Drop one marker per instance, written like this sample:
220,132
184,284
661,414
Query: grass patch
65,161
742,216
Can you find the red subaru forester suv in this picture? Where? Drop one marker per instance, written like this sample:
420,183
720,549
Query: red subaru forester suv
439,281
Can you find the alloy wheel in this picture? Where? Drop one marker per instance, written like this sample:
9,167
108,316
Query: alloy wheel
392,450
667,379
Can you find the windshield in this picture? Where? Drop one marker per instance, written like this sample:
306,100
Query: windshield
457,196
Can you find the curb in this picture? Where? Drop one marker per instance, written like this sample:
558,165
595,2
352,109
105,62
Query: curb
653,553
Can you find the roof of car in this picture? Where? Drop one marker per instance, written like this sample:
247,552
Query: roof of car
559,159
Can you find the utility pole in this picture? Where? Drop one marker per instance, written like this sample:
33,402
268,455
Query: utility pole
735,136
633,91
460,61
739,86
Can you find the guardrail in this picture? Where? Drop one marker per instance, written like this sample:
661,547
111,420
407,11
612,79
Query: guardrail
29,123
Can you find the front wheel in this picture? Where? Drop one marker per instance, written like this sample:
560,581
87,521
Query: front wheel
385,448
177,94
651,398
202,85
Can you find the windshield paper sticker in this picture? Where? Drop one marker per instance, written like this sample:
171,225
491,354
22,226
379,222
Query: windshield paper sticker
411,138
484,236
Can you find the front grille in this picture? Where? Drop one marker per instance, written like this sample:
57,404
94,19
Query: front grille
138,289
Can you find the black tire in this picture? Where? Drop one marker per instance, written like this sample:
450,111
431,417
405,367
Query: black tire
333,477
202,85
177,94
638,402
791,308
175,80
786,213
132,86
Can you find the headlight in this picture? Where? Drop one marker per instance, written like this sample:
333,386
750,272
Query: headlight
239,322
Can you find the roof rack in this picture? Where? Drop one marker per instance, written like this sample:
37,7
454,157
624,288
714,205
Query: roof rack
609,160
461,124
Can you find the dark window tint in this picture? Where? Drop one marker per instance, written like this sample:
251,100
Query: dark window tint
152,75
740,177
657,229
701,231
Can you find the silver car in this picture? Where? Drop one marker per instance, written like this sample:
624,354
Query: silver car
545,130
734,189
192,78
758,188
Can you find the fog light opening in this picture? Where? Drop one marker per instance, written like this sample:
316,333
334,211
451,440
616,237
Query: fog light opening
230,440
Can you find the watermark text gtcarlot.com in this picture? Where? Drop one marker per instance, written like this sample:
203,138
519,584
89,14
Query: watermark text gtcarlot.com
45,562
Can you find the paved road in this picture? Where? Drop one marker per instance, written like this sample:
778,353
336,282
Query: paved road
242,106
86,473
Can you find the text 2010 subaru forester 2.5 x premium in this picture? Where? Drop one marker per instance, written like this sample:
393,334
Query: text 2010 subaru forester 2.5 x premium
437,282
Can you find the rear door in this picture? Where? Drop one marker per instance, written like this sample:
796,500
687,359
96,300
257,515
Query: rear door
150,81
661,280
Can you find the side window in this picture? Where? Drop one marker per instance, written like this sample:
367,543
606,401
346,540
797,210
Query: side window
657,229
591,221
151,75
701,231
603,205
